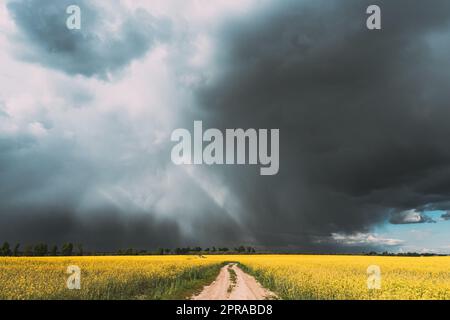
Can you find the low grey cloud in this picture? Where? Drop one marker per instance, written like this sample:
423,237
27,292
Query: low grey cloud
410,217
107,42
365,240
446,216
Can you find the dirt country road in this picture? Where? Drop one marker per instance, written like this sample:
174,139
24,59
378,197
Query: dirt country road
234,284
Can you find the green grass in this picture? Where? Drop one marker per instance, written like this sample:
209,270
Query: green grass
195,284
182,288
233,278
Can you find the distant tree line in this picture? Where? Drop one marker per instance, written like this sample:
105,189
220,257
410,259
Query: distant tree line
41,250
190,250
403,254
70,249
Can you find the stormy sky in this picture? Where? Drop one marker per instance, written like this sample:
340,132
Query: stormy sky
86,117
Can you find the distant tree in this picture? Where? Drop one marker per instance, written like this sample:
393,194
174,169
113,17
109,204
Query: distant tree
6,250
129,252
160,251
178,251
54,251
167,251
207,250
67,249
40,249
213,249
80,249
28,250
16,250
197,249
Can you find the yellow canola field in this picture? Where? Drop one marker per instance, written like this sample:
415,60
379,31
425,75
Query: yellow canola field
345,277
118,277
169,277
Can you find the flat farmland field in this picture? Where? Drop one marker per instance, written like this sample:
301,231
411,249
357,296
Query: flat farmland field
291,277
346,277
115,277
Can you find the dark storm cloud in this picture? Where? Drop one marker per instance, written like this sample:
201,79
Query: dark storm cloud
51,192
93,50
362,114
362,117
106,226
105,230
